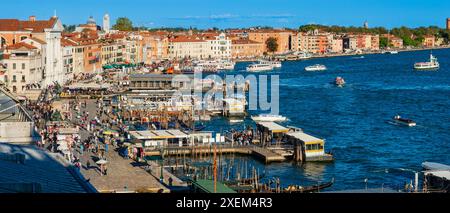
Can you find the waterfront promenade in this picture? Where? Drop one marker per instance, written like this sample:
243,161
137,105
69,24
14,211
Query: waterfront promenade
124,175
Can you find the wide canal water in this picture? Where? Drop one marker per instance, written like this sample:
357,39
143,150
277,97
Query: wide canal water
352,119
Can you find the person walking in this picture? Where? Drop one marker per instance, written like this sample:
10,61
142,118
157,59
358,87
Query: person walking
106,146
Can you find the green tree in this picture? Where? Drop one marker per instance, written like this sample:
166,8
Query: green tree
272,44
384,42
123,24
69,28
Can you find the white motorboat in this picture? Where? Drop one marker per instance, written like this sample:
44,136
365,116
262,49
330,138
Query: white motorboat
259,67
391,52
433,64
269,117
317,67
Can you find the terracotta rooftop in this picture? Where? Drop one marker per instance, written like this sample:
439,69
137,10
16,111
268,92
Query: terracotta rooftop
186,39
34,26
20,45
244,41
67,42
38,41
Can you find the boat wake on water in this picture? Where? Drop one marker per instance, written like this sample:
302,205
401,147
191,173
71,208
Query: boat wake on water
398,124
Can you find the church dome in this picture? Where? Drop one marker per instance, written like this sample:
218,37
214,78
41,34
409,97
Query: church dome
91,20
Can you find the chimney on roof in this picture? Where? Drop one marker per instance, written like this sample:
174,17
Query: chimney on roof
32,18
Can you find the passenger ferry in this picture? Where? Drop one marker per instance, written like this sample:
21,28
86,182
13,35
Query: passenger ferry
259,67
274,64
433,64
268,117
317,67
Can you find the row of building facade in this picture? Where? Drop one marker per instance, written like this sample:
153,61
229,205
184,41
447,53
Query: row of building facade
37,53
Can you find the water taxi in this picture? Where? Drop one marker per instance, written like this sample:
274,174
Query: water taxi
339,81
403,121
269,117
317,67
429,65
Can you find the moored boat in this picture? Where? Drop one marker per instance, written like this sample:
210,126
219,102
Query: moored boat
269,117
274,64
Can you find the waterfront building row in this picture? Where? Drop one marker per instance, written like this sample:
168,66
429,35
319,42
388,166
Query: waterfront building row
37,53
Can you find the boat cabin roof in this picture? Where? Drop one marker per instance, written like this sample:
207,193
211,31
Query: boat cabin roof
274,127
158,134
307,139
441,174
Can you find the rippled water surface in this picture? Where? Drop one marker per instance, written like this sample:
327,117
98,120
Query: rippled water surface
353,119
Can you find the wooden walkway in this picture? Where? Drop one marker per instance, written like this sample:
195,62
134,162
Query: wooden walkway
264,154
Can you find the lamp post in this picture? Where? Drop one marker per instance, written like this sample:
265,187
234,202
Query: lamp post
366,181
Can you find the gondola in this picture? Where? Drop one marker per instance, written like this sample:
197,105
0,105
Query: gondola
304,189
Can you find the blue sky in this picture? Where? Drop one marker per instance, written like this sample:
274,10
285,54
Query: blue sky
239,13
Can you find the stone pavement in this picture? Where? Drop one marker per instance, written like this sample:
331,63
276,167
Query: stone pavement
122,174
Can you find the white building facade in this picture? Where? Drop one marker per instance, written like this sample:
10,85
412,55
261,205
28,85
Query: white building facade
219,47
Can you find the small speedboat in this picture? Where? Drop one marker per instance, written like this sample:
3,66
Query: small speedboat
403,121
339,81
316,67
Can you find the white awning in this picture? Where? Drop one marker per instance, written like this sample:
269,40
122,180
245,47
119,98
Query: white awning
274,127
158,134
